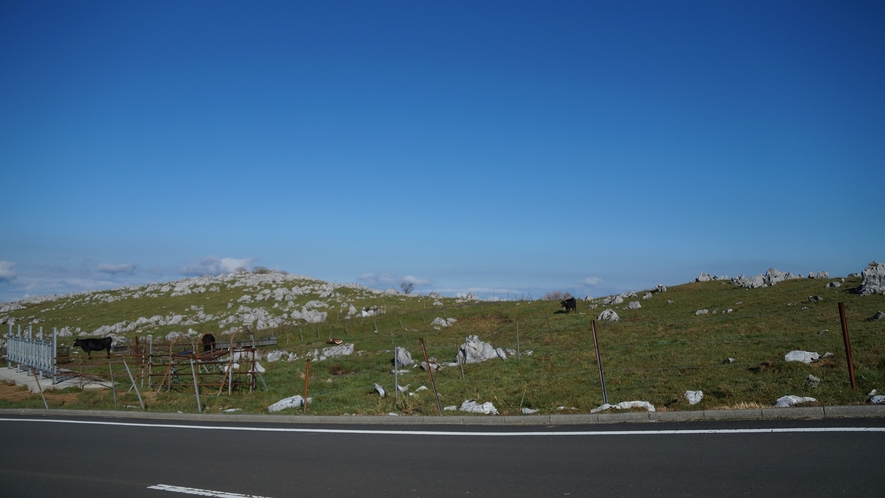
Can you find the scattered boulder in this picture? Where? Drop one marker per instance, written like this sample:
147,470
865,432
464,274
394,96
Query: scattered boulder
749,283
440,323
476,351
430,363
812,382
613,300
625,405
633,305
401,357
529,411
647,296
337,351
286,403
694,397
790,400
703,277
815,299
701,312
804,356
609,315
833,285
823,274
661,288
471,406
873,279
773,276
379,389
876,399
878,316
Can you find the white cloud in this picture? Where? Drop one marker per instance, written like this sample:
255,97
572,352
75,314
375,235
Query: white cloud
124,269
373,280
212,265
416,281
592,282
6,271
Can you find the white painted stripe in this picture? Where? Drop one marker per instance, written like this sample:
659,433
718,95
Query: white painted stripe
200,492
309,430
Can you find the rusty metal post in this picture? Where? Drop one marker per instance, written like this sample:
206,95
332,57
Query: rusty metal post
41,390
306,387
599,362
430,371
847,346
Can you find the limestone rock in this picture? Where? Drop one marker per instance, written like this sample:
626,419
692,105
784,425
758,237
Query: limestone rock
694,397
773,276
661,288
804,356
873,279
474,350
701,312
633,305
283,404
402,357
609,314
379,389
790,400
703,277
878,316
833,285
471,406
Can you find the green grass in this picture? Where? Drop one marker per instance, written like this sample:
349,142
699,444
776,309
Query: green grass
655,353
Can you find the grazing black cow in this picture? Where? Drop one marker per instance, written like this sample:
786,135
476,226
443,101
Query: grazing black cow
570,304
208,341
90,345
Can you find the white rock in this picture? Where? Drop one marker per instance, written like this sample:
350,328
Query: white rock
529,411
450,408
337,351
609,314
694,397
701,312
873,279
633,305
471,406
283,404
790,400
474,350
380,389
803,356
625,405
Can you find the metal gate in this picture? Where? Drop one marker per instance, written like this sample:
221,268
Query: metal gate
33,354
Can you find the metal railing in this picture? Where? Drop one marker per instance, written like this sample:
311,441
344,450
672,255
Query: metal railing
34,354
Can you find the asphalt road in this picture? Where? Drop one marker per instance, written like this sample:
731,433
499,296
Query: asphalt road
78,459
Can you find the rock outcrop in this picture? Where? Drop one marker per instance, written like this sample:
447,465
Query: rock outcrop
873,279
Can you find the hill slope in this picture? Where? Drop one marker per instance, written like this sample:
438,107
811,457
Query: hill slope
734,353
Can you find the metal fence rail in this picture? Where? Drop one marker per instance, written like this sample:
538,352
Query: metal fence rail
34,354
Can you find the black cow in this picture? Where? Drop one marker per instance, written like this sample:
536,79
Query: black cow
570,304
90,345
208,341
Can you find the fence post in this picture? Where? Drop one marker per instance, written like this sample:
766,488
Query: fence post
113,384
599,362
847,346
306,387
196,387
133,385
54,355
430,371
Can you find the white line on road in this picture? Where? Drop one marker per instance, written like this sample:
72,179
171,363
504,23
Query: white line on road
200,492
774,430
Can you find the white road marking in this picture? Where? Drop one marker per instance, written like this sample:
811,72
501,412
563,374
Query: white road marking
307,430
200,492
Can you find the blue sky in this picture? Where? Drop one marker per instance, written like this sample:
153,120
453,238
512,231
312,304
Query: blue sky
492,147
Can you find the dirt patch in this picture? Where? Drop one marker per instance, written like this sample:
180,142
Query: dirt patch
11,392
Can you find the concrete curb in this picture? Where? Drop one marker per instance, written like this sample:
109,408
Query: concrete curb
796,413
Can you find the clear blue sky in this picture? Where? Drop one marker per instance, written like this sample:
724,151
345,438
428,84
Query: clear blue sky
590,147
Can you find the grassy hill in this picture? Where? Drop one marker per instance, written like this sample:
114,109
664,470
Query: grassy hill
654,353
